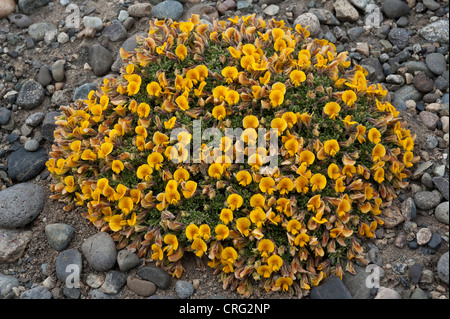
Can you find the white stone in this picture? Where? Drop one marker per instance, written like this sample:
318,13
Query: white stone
272,10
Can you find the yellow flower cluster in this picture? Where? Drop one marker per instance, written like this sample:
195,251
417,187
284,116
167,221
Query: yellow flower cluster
343,153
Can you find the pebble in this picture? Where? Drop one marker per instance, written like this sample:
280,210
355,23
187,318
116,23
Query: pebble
115,31
436,63
82,91
100,251
31,95
183,289
331,288
140,10
168,10
435,241
35,119
72,293
123,15
415,272
140,287
399,37
395,8
44,76
437,31
58,70
7,285
59,235
345,12
442,185
24,166
127,260
426,200
100,59
49,126
13,243
5,115
271,10
42,30
423,83
157,275
423,236
392,216
94,280
31,145
325,16
442,213
356,284
387,293
68,263
20,20
427,180
98,294
93,22
310,20
226,5
30,6
20,204
114,281
430,120
431,5
39,292
63,38
406,92
400,240
443,268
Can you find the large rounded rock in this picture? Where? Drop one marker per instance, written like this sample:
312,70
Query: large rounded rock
345,11
68,263
24,166
427,200
399,37
20,205
443,268
310,21
156,275
59,235
100,60
30,6
395,8
7,7
168,9
437,31
82,91
441,212
31,95
100,251
436,63
38,31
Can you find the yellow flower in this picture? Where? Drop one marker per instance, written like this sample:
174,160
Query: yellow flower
172,244
226,215
349,170
192,231
276,97
70,184
232,97
344,207
279,124
160,138
407,158
408,144
170,123
319,219
284,205
105,149
219,112
144,172
181,51
349,97
204,231
301,239
314,203
234,201
374,135
228,256
230,73
275,262
257,216
143,110
264,270
244,178
220,93
307,157
339,187
222,232
290,118
116,223
243,225
332,109
297,77
215,170
333,171
154,89
199,247
126,205
257,200
378,152
291,146
189,189
361,131
294,226
180,174
182,102
284,282
285,186
265,246
379,175
134,84
266,185
331,147
250,121
158,253
117,166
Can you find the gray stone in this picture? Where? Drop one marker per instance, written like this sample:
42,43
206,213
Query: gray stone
436,63
427,276
399,268
44,76
116,31
325,16
20,204
331,288
100,60
82,91
123,15
437,31
415,272
387,293
12,244
399,37
423,236
435,241
421,169
431,141
49,126
31,145
443,268
374,68
442,185
59,235
408,209
430,120
431,5
271,10
405,93
114,281
423,83
427,180
360,4
418,294
35,119
310,21
95,281
94,22
100,251
417,66
63,38
24,166
168,9
7,283
392,216
425,200
21,20
395,79
345,11
39,31
127,260
98,294
184,289
441,212
72,293
140,10
374,255
5,115
140,287
356,284
39,292
31,95
157,275
58,70
68,263
395,8
31,6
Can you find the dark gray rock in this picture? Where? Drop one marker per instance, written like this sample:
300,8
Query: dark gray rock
331,288
184,289
59,235
325,16
418,294
168,9
431,5
44,76
423,83
24,166
443,268
21,20
68,263
13,243
431,141
425,200
399,37
20,204
395,8
442,185
5,115
39,292
100,251
100,60
82,91
415,272
405,93
7,283
157,275
49,126
409,209
31,6
436,63
356,284
31,95
114,281
374,68
435,241
417,66
72,293
127,260
115,31
35,119
98,294
140,287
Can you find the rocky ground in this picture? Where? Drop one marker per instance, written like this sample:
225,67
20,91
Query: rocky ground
47,60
